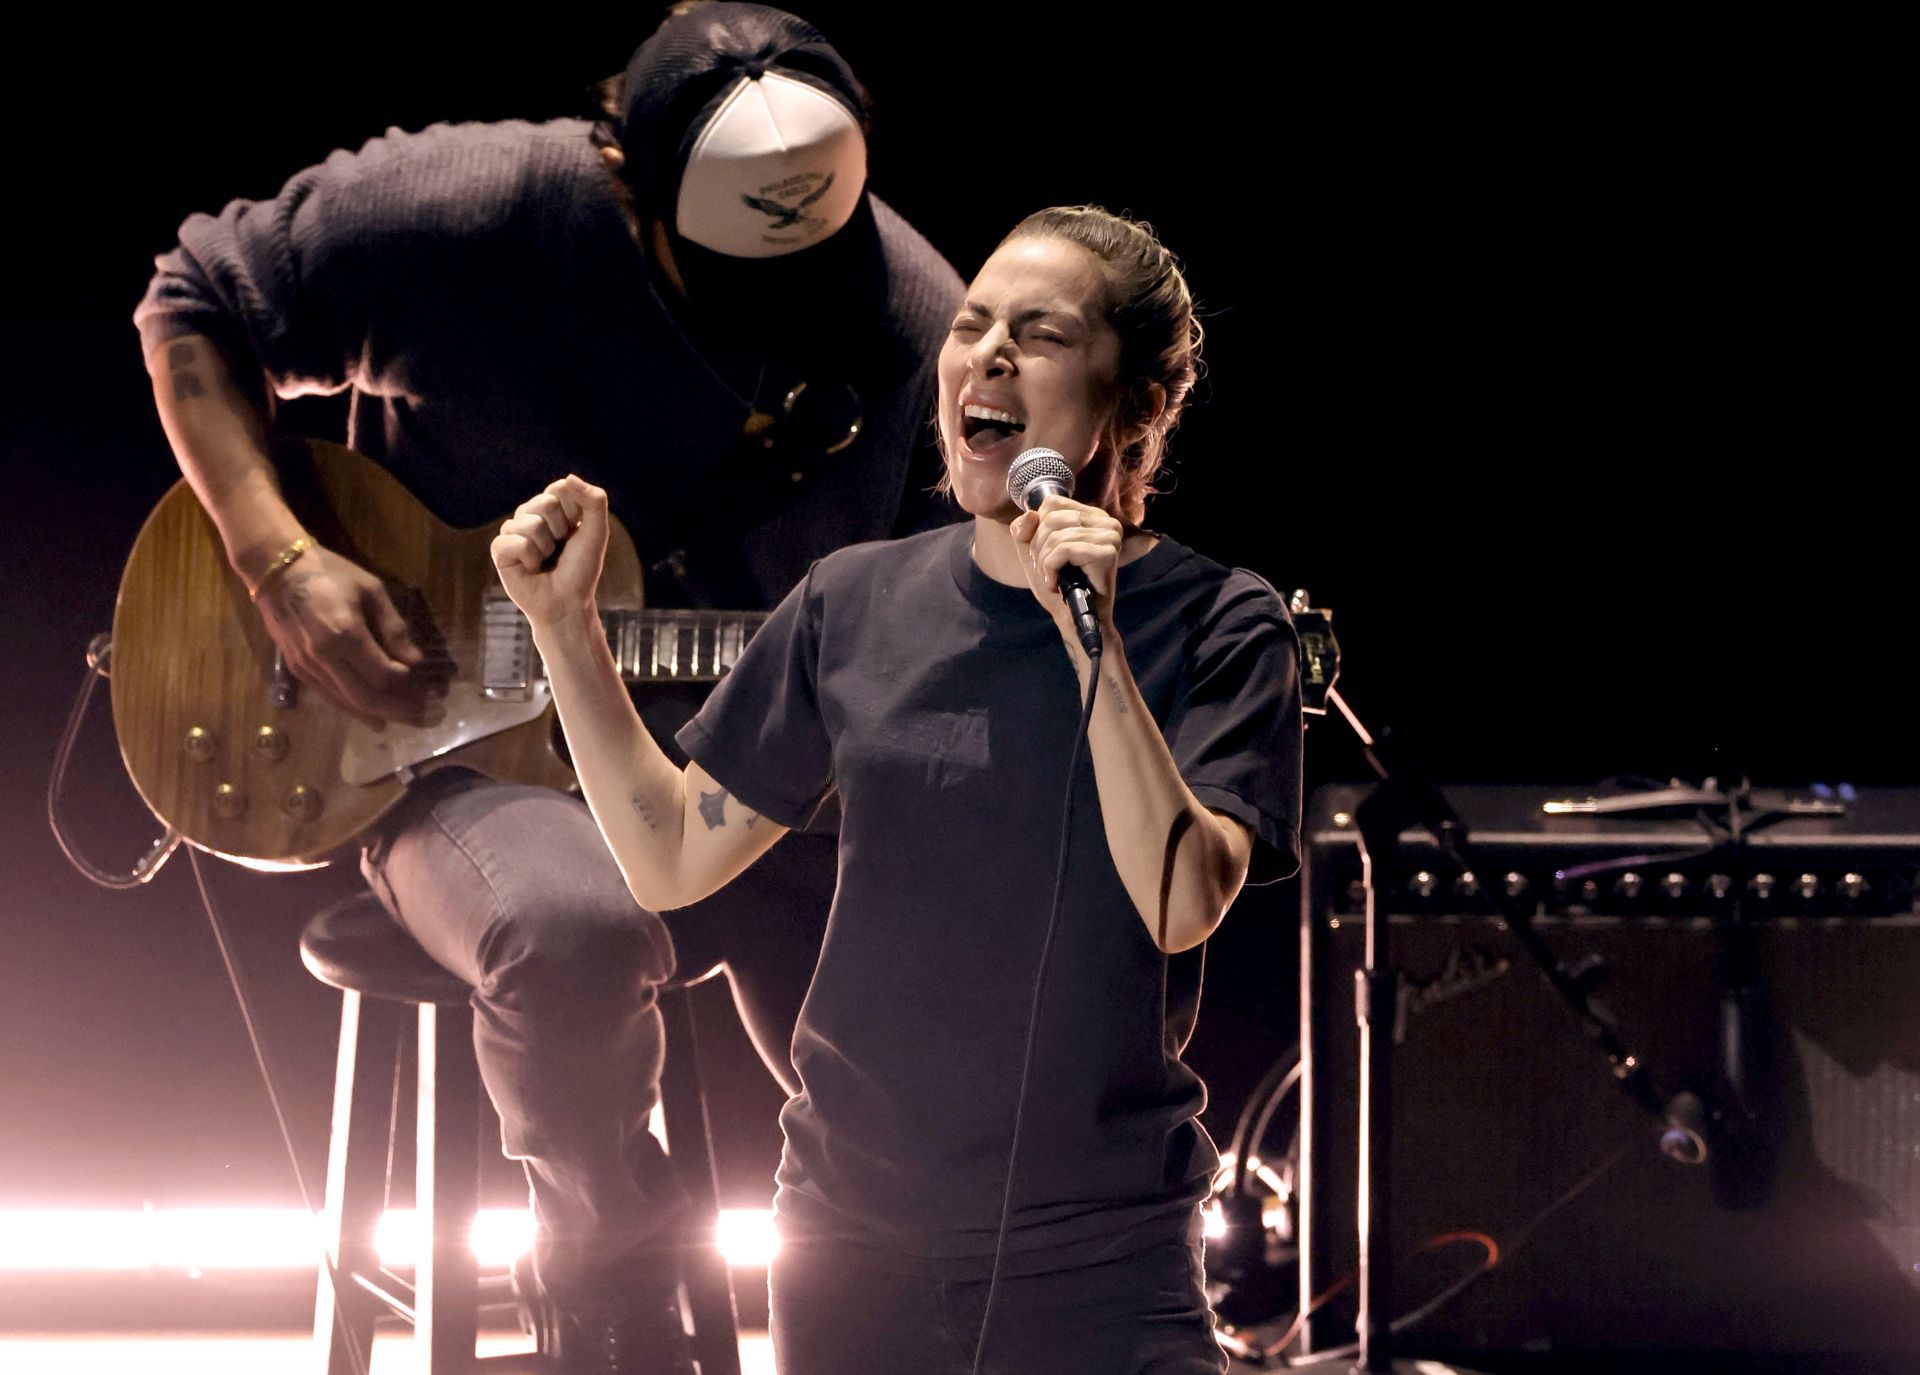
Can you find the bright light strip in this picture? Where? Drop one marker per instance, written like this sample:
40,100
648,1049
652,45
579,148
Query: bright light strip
747,1238
197,1239
159,1239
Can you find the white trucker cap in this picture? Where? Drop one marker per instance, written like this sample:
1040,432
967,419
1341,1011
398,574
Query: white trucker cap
778,168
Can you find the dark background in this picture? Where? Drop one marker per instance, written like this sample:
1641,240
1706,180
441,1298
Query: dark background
1551,358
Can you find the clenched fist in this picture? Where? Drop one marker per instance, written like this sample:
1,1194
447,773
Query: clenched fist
549,552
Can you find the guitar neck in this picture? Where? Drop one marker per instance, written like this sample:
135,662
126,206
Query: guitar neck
678,646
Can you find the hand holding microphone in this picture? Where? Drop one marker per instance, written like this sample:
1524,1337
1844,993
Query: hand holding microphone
1071,548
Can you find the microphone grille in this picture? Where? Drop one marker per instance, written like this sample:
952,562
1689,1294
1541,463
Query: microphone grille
1035,468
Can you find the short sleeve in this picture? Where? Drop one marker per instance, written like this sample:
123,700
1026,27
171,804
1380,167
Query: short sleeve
761,734
1235,731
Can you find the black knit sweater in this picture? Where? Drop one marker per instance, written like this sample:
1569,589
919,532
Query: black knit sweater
477,288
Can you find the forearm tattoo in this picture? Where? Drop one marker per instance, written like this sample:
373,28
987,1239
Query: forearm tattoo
713,808
184,360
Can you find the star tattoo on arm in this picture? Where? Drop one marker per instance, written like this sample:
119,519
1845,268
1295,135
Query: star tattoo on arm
713,808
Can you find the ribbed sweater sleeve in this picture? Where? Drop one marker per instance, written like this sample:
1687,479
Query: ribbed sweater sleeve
322,282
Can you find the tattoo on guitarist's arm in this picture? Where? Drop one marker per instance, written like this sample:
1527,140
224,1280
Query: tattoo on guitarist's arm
713,808
182,358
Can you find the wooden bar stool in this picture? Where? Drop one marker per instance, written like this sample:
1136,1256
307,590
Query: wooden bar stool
356,947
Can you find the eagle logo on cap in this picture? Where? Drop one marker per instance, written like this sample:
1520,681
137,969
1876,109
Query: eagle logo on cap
787,216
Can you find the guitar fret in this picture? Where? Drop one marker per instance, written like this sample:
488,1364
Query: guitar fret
687,646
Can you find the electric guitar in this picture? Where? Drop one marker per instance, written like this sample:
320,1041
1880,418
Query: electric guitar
244,761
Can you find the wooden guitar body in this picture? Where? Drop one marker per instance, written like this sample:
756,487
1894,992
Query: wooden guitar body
245,762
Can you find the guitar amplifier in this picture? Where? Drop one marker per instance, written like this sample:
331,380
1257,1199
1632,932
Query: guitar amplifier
1804,1241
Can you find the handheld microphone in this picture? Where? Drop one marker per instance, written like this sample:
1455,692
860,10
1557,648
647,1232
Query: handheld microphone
1036,475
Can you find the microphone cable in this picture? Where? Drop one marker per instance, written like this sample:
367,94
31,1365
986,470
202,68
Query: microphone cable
1033,1010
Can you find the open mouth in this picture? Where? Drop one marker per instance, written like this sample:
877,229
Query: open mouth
985,427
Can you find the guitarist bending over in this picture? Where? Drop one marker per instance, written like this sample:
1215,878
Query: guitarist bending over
694,303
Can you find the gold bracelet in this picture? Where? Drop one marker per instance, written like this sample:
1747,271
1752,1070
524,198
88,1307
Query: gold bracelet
282,561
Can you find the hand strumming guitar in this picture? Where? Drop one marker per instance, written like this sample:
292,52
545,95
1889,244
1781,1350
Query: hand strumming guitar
340,632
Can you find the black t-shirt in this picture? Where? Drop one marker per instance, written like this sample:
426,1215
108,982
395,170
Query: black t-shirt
942,708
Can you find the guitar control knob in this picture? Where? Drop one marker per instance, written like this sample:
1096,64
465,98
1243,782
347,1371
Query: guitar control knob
1807,886
1762,886
1515,884
301,802
1422,884
199,744
1718,886
1674,886
1853,887
229,802
1467,885
270,744
1628,885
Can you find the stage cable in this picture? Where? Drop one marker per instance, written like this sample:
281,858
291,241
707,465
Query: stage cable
1033,1010
355,1356
1495,1255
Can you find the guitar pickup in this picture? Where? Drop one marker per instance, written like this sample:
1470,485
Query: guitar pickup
506,652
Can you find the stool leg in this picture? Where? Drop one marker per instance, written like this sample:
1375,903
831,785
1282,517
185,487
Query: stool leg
356,1181
716,1341
447,1190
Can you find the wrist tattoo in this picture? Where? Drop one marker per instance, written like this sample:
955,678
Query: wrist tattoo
713,809
1114,695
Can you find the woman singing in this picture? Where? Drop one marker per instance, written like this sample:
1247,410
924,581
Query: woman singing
993,1162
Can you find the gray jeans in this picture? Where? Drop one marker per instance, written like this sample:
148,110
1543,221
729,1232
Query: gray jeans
513,889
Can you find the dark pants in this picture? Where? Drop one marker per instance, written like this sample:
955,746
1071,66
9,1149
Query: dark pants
836,1311
513,889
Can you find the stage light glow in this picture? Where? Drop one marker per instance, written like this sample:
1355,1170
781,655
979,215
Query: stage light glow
195,1240
1214,1220
747,1237
500,1236
186,1239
